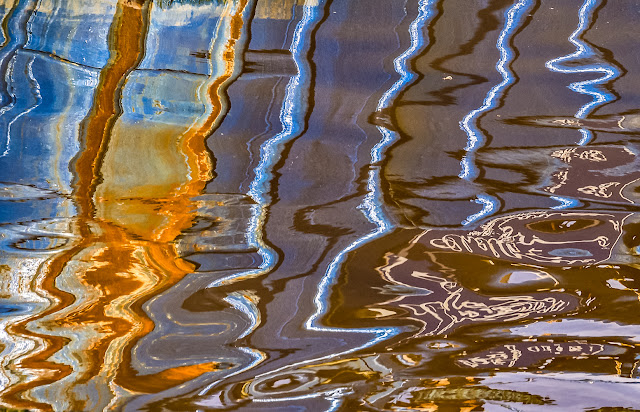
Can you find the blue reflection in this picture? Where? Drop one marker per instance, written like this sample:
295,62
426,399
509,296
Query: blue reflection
17,37
585,51
294,107
35,89
565,202
489,204
475,137
335,405
292,117
469,124
371,205
401,65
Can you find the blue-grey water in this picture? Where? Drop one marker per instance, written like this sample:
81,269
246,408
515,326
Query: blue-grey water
319,205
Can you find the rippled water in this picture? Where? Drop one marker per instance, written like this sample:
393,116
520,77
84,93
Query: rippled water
321,205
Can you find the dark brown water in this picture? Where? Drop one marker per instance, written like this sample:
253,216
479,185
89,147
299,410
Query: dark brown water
320,205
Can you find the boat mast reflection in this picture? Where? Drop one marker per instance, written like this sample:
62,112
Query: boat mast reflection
585,52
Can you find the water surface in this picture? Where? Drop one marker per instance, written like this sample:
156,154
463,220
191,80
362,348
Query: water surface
321,205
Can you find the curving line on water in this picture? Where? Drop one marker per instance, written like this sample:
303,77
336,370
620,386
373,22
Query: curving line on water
15,38
585,51
292,117
401,66
489,204
469,124
247,306
37,95
371,205
565,202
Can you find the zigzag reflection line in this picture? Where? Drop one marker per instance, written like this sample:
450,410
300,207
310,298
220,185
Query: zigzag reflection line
401,66
292,112
38,96
371,205
469,124
292,115
588,87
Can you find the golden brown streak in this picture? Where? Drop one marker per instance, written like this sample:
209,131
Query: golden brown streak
127,50
194,141
165,260
127,45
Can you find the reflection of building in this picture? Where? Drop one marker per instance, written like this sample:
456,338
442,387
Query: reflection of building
511,268
520,355
598,173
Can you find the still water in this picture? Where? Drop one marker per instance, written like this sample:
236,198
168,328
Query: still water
320,205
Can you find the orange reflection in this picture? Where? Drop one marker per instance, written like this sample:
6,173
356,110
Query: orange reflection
125,253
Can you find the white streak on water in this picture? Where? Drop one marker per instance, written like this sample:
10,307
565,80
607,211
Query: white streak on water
469,124
371,205
588,87
292,115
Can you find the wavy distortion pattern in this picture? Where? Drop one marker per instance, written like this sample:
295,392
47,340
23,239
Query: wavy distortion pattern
162,247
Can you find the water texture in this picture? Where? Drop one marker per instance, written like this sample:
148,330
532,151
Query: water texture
320,205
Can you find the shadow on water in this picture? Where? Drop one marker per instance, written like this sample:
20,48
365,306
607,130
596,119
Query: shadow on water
319,205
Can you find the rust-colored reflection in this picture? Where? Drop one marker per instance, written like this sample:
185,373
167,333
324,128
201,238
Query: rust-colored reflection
125,253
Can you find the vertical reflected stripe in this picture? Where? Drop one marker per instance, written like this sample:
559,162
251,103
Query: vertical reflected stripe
126,51
193,141
401,66
371,205
15,37
292,117
127,44
469,124
35,87
224,68
585,51
475,137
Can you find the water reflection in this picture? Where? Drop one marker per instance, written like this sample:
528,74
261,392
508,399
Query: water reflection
128,214
319,205
585,52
